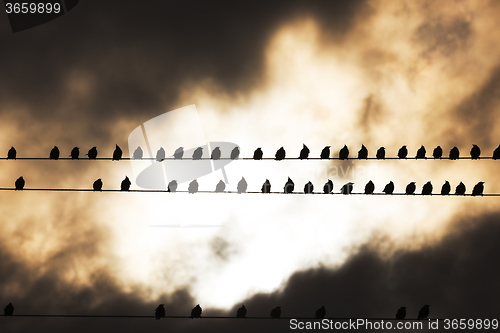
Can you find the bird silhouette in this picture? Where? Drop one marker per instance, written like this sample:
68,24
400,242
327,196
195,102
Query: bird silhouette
241,312
221,186
280,154
363,153
410,188
266,187
138,153
160,312
460,189
347,188
328,187
178,153
475,152
160,154
446,188
97,185
257,154
478,189
381,153
424,312
420,152
242,185
320,313
325,153
117,154
125,185
196,312
401,314
8,310
216,153
308,188
172,186
75,153
438,152
235,153
92,153
198,153
389,188
454,153
304,153
496,153
289,186
19,183
427,189
369,187
54,153
193,187
403,152
344,153
12,153
276,312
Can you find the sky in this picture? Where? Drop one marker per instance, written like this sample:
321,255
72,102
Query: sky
264,74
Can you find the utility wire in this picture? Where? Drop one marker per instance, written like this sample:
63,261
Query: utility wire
242,158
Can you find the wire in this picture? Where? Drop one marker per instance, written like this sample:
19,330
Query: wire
242,158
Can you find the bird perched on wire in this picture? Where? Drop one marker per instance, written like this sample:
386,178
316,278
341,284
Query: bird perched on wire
216,153
92,153
478,189
344,153
97,185
20,183
446,188
454,153
193,186
421,152
403,152
138,153
325,153
178,153
304,153
320,313
460,189
198,153
266,187
8,310
308,188
437,153
172,186
160,312
54,153
235,153
125,185
117,154
369,187
257,154
381,153
276,312
289,186
328,187
75,153
160,154
242,185
475,152
401,314
389,188
410,188
280,154
347,188
424,312
241,312
496,153
196,312
427,189
363,153
12,153
220,187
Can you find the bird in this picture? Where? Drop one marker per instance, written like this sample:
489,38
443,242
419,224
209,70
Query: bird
198,153
389,188
446,188
460,189
363,153
280,154
97,185
276,312
8,310
75,153
475,152
369,187
478,189
125,186
172,186
420,152
117,154
20,183
242,185
401,314
241,312
178,153
427,189
193,187
454,153
160,154
328,187
54,153
235,153
196,312
160,312
381,153
304,153
438,152
344,153
496,153
424,312
325,153
138,153
92,153
221,186
266,187
320,313
347,188
410,188
308,188
403,152
289,186
11,154
257,154
216,153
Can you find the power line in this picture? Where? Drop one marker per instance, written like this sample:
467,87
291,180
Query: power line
244,158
